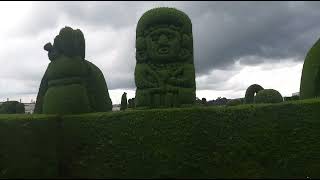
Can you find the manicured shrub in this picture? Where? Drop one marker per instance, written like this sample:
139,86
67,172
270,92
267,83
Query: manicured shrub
12,107
250,92
234,102
268,96
171,65
71,84
123,102
258,141
310,77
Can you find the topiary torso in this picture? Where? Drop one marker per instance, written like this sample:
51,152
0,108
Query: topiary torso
164,73
71,84
268,96
310,77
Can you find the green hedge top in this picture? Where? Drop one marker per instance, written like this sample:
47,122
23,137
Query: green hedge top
246,141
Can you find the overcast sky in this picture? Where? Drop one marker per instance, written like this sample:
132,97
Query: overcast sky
236,44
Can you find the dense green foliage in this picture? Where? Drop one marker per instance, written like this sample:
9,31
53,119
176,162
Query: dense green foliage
292,98
268,96
250,92
246,141
12,107
164,73
234,102
124,103
131,103
310,77
28,146
71,84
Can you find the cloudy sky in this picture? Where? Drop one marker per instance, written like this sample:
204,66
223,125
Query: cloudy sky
236,44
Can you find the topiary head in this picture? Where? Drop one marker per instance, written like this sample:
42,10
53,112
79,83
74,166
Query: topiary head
68,42
164,35
268,96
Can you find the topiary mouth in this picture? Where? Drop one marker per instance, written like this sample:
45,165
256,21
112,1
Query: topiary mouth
163,50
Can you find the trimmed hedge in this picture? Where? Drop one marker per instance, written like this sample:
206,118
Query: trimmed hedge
268,96
12,107
251,91
246,141
310,77
71,84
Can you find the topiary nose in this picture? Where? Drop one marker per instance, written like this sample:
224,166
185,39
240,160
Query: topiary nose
163,39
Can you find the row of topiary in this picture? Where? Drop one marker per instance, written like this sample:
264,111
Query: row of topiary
12,107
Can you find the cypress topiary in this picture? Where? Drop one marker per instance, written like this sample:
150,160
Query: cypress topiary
310,77
12,107
251,91
124,102
164,72
71,84
268,96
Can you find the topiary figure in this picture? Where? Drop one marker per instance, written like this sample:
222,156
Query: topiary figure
250,92
268,96
310,77
123,102
71,84
12,107
234,102
164,72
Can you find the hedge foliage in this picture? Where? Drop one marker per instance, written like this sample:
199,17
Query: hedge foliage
12,107
251,91
234,102
246,141
268,96
71,84
310,77
124,102
164,72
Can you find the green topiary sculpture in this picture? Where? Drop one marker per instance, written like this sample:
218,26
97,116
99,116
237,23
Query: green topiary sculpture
268,96
71,84
164,72
12,107
251,90
124,103
310,77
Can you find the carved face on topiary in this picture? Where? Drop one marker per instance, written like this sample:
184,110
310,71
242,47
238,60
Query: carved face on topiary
164,35
163,44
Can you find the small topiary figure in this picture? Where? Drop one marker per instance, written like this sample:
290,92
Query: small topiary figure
250,92
12,107
310,77
123,102
164,72
268,96
234,102
131,103
71,84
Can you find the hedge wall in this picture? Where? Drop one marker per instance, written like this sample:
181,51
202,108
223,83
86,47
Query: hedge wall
246,141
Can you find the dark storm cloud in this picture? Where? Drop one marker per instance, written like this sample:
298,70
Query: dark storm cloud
223,32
